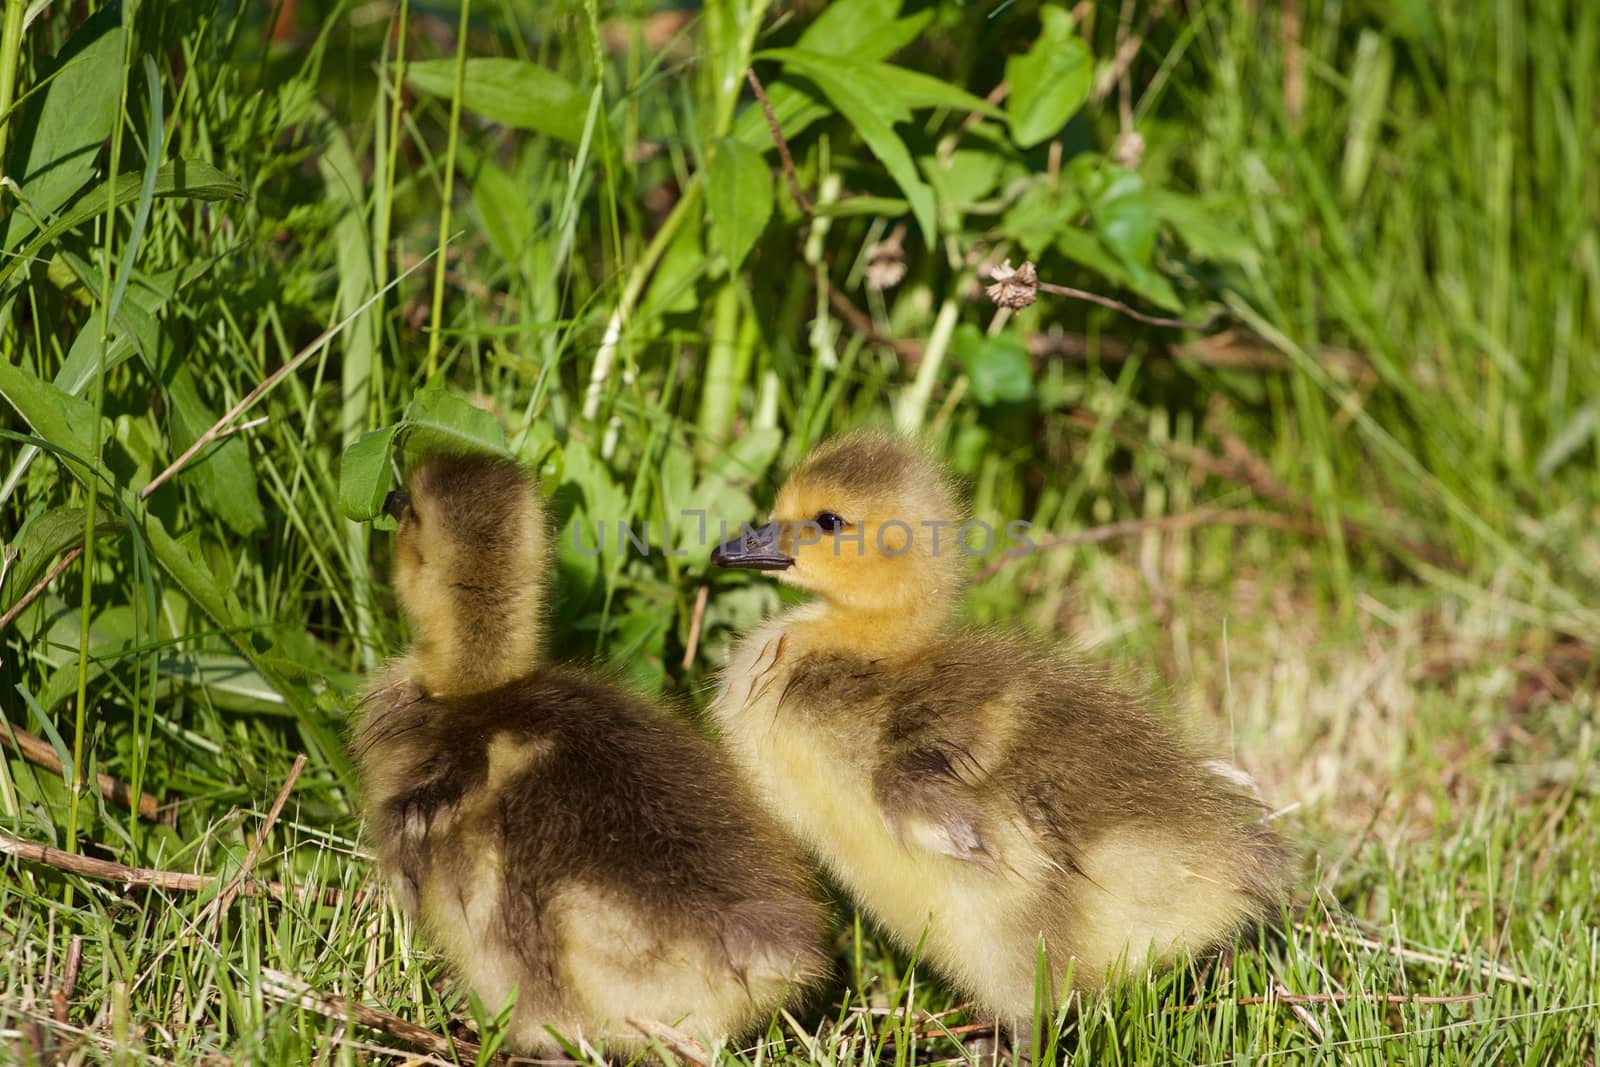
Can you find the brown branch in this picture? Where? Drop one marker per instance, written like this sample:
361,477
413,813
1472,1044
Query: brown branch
946,1031
996,95
38,751
779,140
1182,521
1117,305
176,881
1281,992
858,320
283,987
31,595
693,644
290,990
1294,81
1255,473
61,998
679,1042
1018,288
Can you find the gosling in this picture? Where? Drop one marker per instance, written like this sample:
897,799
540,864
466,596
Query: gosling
554,834
978,795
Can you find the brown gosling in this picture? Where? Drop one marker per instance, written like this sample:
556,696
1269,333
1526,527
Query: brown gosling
975,793
553,833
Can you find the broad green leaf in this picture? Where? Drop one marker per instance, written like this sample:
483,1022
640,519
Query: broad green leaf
222,475
503,206
440,421
1201,229
965,176
1043,210
512,92
637,643
365,472
747,457
60,131
178,178
83,358
866,31
229,680
1126,221
739,197
672,289
42,542
863,80
55,415
997,367
1050,82
1086,248
918,90
872,110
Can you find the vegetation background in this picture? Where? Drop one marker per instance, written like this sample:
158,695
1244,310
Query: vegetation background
1347,520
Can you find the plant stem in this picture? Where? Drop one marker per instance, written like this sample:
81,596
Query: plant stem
908,414
434,335
92,510
719,395
607,353
10,61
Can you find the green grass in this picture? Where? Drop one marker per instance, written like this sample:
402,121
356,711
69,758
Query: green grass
1391,216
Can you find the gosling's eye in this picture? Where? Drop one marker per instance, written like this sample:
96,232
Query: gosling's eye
830,522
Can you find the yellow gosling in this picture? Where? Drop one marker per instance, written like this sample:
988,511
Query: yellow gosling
968,787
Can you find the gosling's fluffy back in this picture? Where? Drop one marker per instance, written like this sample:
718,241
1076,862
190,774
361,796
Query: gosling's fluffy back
563,836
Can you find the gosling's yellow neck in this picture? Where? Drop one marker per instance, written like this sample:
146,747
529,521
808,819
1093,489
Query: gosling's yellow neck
470,569
481,659
877,633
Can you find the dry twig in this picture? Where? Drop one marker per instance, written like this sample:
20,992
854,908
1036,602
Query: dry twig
1018,287
225,898
290,990
693,644
680,1043
37,750
1488,970
175,881
779,140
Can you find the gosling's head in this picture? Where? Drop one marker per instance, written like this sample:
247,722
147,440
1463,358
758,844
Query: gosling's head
469,565
869,523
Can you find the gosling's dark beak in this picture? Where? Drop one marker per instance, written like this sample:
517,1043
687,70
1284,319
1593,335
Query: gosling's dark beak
396,504
755,549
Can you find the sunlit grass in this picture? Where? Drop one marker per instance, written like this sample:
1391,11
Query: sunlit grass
1408,254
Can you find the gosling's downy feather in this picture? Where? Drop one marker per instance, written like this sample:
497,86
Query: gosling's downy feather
553,832
972,787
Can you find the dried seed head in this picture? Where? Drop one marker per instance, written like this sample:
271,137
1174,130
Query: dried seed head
886,261
1129,149
1013,288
